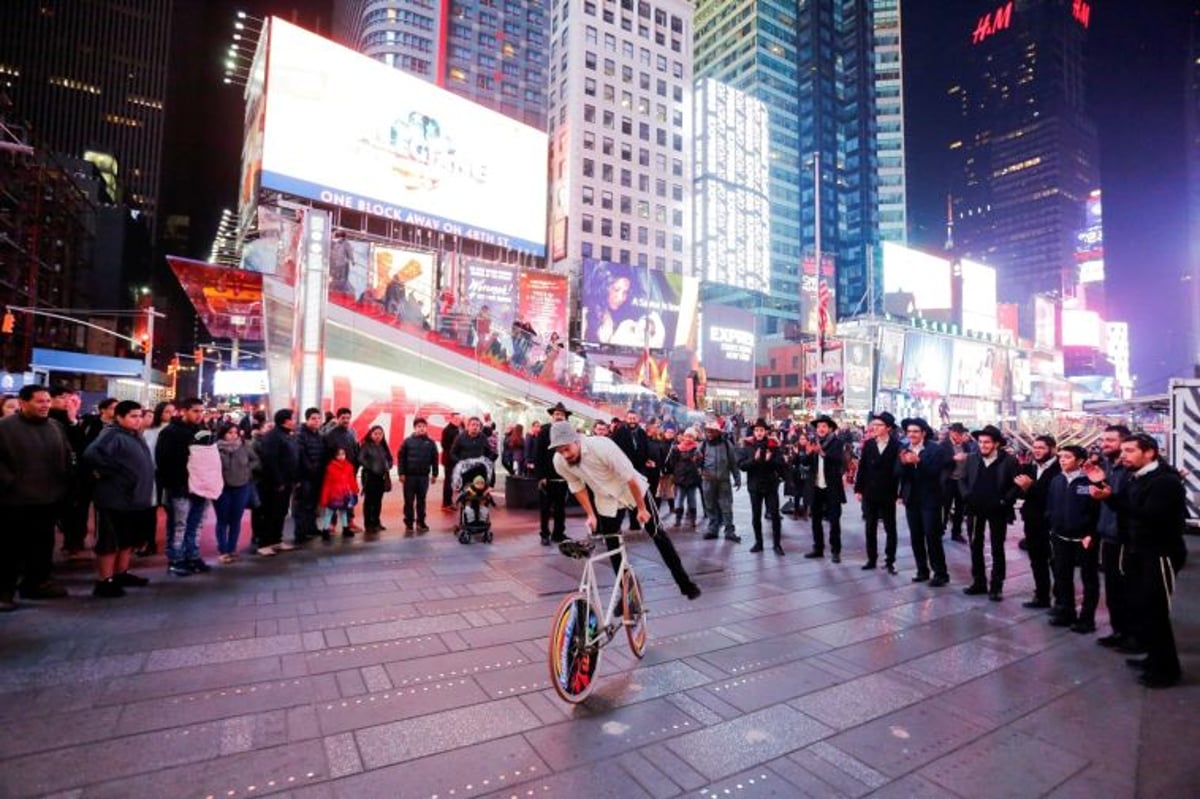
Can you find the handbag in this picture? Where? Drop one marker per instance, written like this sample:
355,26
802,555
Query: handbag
387,482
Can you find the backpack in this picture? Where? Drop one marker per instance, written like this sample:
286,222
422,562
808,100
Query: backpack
205,478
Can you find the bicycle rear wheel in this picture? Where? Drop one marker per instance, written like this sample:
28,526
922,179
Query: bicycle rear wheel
634,612
573,662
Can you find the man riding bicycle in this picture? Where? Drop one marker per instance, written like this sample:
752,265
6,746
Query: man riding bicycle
597,463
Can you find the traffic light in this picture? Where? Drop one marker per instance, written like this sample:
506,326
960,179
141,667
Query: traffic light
10,322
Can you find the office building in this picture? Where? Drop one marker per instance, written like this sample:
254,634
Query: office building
830,75
620,100
493,52
1024,154
91,80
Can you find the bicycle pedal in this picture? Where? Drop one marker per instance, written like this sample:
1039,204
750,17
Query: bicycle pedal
575,549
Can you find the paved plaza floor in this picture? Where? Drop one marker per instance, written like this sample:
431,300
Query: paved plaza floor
417,668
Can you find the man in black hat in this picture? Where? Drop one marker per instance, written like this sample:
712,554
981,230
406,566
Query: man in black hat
826,456
552,488
1034,481
877,485
761,458
922,464
953,508
989,489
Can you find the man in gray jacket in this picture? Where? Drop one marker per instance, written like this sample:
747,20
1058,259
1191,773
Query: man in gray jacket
718,468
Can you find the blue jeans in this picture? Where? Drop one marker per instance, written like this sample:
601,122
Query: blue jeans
685,498
229,507
185,516
718,504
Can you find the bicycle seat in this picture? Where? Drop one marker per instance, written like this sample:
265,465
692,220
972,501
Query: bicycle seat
576,549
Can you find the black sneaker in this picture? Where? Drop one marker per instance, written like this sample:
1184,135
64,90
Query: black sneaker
868,566
198,566
891,569
837,557
545,539
778,549
179,568
939,581
108,589
127,580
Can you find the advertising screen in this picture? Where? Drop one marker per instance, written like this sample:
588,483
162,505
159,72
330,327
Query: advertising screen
229,382
810,293
402,281
1045,333
1081,328
914,282
228,301
353,132
542,302
727,343
830,377
978,297
927,362
632,307
978,370
891,358
489,292
857,364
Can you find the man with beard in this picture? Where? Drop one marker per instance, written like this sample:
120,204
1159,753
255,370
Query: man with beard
635,443
922,465
954,508
988,489
1035,480
1113,529
449,433
761,459
827,463
876,484
552,489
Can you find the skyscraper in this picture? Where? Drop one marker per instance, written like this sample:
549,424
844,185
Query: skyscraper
621,134
1192,94
92,77
489,51
830,75
1025,152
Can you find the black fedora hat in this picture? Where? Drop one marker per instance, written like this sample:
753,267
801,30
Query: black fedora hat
826,419
885,417
992,432
958,427
760,422
558,407
917,421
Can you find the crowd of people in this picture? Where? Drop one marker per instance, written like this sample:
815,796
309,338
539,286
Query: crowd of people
1118,511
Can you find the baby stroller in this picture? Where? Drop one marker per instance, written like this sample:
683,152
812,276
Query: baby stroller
471,482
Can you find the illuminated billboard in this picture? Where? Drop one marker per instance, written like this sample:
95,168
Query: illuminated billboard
978,297
733,206
633,307
542,302
891,358
857,365
1045,323
1089,248
401,281
350,131
927,361
915,283
1082,328
727,343
978,370
810,295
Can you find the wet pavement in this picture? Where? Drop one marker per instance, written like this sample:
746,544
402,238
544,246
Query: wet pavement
416,667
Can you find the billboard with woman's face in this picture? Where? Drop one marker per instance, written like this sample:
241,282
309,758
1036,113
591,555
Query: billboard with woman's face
628,307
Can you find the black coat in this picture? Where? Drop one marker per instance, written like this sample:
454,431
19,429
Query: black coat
125,470
877,478
171,454
341,438
923,481
634,442
1154,506
834,450
449,433
683,466
1070,509
468,446
417,457
310,446
280,457
543,458
1034,509
763,464
976,495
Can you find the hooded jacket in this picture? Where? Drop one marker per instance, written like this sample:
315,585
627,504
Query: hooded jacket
121,459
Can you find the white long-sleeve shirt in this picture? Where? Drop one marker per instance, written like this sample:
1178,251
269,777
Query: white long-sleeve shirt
605,469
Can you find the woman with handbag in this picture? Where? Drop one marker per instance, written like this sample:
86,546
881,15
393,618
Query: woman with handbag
376,462
239,462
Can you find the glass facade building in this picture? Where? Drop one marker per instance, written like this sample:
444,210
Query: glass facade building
830,75
493,52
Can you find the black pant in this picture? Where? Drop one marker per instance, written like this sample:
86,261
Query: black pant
416,486
552,502
925,530
1116,587
875,512
954,509
304,510
1037,543
447,489
273,508
1152,581
372,485
27,545
996,526
824,508
611,525
73,518
1067,556
769,497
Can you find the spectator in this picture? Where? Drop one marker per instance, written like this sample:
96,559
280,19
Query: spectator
718,469
762,461
661,447
124,498
339,494
64,409
375,459
417,465
164,412
513,457
1113,529
279,459
310,446
683,462
35,473
634,442
877,487
552,489
185,510
239,462
10,405
472,443
1034,481
340,436
1073,516
449,434
954,509
988,489
922,465
531,439
826,455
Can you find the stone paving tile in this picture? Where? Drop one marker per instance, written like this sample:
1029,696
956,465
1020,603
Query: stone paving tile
355,616
26,735
407,628
765,652
397,742
843,773
624,729
517,680
957,664
503,633
984,768
354,712
761,782
223,652
195,708
447,665
100,668
604,778
907,739
905,645
372,654
758,689
741,743
857,701
914,786
616,689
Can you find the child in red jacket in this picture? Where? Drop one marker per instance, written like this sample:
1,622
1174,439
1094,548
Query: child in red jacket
339,492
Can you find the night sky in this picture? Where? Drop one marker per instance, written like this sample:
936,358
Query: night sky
1136,70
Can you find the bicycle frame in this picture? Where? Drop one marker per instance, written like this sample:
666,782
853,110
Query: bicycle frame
588,587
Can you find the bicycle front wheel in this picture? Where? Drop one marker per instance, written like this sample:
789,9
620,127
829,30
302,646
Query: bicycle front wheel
573,661
634,612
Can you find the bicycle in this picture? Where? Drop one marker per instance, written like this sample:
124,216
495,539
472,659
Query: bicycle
579,632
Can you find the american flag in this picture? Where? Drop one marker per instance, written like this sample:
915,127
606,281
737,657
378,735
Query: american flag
823,320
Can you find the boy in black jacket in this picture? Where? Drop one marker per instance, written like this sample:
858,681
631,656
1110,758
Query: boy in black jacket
1072,516
988,490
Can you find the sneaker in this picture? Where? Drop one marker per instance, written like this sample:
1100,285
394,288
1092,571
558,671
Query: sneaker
108,589
7,603
179,568
127,580
267,552
891,569
225,559
868,566
198,566
284,546
545,539
47,590
837,557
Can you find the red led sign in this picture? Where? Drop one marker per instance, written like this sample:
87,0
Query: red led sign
994,22
1082,12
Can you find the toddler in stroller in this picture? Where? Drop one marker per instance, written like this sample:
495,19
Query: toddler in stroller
472,484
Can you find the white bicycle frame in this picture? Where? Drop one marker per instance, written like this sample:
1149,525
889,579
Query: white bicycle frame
587,586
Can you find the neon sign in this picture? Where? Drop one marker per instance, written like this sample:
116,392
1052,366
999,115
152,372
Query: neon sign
1082,12
994,22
